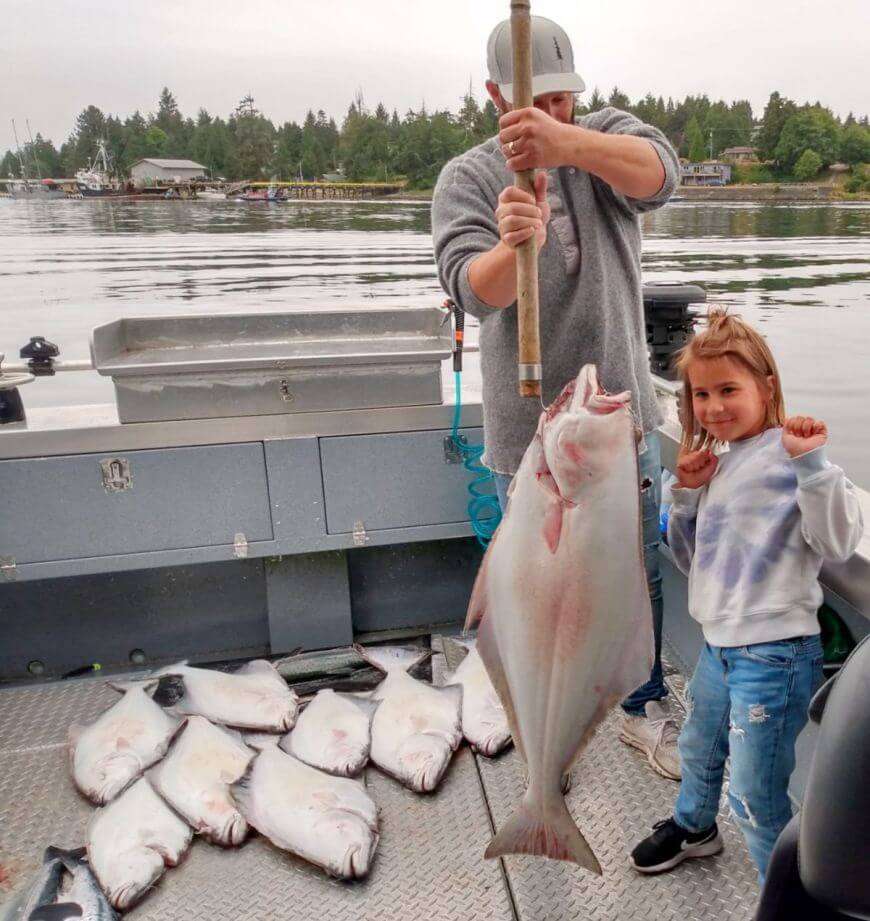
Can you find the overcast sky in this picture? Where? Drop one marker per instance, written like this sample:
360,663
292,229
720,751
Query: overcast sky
59,56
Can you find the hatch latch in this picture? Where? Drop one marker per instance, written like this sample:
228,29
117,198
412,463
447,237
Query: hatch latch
360,538
117,475
240,546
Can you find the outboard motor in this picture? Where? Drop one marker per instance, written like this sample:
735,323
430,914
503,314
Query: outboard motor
820,867
670,321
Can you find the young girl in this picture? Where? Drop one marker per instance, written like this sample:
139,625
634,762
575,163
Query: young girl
750,528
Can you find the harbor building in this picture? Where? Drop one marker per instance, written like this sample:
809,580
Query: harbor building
151,170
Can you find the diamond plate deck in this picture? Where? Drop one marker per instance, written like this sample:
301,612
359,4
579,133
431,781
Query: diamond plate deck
615,799
429,863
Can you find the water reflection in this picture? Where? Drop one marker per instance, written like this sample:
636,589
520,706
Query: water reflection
683,219
802,272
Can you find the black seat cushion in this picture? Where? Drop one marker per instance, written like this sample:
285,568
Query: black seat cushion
784,897
834,839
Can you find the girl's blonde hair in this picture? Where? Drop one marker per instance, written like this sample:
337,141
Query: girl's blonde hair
728,336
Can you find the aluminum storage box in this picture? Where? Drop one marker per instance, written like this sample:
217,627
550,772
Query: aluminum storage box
199,367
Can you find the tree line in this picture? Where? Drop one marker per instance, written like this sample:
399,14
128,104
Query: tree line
793,140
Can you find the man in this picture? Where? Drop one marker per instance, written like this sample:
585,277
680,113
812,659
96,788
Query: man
598,174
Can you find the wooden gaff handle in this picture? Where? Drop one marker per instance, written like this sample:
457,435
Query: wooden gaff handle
529,342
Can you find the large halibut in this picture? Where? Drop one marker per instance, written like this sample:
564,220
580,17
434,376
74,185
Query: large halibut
561,597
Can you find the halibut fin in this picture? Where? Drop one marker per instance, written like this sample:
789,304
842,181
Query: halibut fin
554,836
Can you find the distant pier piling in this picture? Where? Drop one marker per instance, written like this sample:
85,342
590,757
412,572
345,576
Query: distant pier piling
323,190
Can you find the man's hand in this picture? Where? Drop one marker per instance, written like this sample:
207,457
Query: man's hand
520,215
531,139
696,468
801,434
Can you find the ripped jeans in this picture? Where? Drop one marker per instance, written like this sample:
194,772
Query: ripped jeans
750,702
650,484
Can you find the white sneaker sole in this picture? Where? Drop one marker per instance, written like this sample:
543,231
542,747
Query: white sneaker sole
707,849
634,743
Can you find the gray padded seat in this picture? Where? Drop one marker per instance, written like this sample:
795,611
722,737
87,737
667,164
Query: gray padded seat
820,867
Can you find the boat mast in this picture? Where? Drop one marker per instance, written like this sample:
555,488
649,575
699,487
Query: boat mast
21,162
33,148
101,157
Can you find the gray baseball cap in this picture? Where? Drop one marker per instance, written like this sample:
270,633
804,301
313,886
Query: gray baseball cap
552,59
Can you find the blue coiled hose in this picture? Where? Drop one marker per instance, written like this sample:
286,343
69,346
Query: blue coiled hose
484,511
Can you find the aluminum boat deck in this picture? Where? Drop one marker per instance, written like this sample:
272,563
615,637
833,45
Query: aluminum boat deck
429,864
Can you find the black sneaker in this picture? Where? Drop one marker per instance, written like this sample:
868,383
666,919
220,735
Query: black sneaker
670,845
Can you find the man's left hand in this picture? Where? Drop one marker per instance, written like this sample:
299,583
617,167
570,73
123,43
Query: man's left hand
531,139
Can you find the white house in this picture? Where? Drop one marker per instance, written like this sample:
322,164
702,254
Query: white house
152,169
710,172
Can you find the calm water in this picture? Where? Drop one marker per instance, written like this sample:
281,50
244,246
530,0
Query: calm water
801,272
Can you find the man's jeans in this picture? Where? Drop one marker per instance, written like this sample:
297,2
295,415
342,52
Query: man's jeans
650,474
750,701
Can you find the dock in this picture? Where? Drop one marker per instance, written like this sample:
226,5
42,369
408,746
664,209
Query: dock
348,191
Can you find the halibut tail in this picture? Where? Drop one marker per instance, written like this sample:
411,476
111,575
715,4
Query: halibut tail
553,835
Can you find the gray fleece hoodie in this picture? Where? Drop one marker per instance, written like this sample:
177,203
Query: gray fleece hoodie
591,308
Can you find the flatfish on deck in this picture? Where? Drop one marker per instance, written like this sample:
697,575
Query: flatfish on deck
132,841
110,753
416,728
252,697
329,821
484,721
333,733
195,776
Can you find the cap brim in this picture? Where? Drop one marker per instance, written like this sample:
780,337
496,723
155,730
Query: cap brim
548,83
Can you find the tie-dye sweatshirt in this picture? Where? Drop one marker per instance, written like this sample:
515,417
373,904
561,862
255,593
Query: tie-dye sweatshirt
753,539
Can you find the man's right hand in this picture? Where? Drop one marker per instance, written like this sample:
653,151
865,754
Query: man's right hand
696,468
520,215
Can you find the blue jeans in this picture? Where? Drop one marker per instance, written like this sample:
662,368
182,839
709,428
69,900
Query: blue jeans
751,702
650,484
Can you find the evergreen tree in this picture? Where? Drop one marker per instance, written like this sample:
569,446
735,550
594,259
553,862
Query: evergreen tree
254,141
380,145
136,144
41,159
327,134
776,113
170,121
596,101
288,151
117,141
471,119
10,166
315,160
619,100
90,129
168,117
695,141
651,111
490,119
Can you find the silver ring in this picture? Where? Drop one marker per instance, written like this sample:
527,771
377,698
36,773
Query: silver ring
511,148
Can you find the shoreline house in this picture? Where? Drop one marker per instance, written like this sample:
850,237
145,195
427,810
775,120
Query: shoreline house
710,172
740,154
155,170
